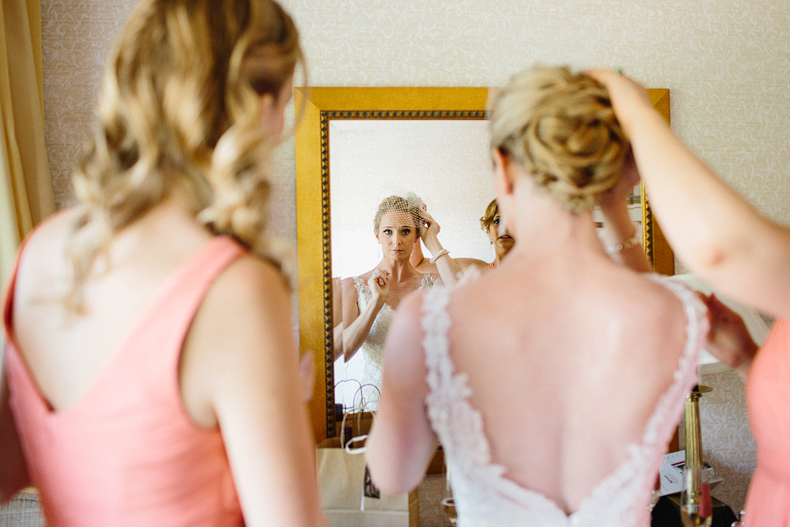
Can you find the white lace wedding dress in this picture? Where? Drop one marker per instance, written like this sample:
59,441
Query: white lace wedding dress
373,347
484,497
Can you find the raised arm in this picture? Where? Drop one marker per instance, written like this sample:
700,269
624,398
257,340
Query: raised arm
402,442
717,233
449,270
243,341
356,324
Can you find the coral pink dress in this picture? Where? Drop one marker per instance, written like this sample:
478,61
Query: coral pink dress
768,396
127,454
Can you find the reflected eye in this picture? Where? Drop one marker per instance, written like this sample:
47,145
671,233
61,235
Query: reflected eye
496,221
387,232
406,232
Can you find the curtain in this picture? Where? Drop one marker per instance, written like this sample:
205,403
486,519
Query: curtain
26,195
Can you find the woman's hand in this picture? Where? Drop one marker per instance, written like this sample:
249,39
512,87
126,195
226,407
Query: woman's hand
729,339
379,283
429,227
627,96
429,232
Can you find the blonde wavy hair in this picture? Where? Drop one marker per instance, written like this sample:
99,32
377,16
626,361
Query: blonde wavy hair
560,127
488,218
180,107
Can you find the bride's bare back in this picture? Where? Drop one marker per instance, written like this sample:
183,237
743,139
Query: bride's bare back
566,361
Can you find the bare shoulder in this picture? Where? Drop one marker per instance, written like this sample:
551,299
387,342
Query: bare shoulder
654,310
364,276
410,307
44,268
247,289
240,342
349,283
349,289
246,314
402,356
47,245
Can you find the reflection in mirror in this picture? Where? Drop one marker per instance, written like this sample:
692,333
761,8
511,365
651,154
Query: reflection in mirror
334,244
445,167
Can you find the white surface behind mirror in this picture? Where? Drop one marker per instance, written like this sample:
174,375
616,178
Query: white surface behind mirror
446,163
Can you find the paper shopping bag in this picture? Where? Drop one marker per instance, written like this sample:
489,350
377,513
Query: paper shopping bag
350,499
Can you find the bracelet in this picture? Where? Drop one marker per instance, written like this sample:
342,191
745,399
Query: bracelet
633,241
439,255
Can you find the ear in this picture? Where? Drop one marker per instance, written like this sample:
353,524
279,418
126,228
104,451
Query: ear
503,180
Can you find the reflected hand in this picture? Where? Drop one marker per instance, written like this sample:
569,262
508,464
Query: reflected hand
729,339
379,283
429,227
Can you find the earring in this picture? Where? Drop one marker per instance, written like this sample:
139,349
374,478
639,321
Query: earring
491,242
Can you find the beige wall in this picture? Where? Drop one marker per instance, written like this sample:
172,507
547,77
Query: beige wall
727,65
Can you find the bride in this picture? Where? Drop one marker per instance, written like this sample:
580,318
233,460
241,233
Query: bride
555,383
369,301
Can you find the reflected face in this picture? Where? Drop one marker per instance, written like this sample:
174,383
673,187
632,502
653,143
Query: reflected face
396,235
505,241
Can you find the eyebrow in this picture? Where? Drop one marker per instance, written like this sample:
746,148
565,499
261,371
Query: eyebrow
408,226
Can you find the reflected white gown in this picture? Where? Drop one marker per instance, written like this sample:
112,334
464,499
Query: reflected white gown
373,347
484,497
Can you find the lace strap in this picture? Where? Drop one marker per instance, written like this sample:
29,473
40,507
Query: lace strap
427,280
363,291
456,422
686,376
436,325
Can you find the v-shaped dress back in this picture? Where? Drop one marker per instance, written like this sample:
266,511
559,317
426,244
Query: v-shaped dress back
484,497
127,453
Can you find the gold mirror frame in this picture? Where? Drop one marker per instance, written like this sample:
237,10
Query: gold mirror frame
313,214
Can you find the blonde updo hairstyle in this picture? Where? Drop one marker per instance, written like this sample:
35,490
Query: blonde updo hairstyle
399,204
180,107
561,129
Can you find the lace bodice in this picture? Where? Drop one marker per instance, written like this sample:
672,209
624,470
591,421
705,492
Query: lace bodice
484,497
373,347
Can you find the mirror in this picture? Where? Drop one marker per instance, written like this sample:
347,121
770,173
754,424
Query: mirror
368,142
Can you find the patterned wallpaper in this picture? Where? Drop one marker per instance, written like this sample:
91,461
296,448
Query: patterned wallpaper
727,442
726,64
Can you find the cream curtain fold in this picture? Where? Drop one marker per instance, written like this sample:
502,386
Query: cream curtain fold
26,195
